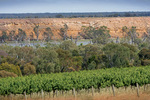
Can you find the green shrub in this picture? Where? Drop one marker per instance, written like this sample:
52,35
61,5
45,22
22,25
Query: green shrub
11,68
145,62
144,54
92,65
4,73
29,69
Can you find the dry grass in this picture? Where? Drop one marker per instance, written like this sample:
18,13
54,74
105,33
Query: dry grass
104,94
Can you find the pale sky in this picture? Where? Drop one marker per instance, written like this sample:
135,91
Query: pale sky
57,6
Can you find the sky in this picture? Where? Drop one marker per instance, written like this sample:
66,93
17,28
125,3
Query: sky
61,6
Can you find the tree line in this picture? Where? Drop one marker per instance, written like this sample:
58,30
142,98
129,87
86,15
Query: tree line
20,35
102,52
75,15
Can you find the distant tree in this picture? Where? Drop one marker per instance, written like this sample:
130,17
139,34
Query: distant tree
3,54
117,55
76,63
117,40
115,15
36,31
73,16
29,69
130,34
145,62
77,38
45,59
11,35
65,59
75,52
66,30
125,30
134,58
5,48
36,17
4,36
144,56
133,34
71,38
87,32
59,16
87,52
4,74
127,14
10,68
92,65
146,36
25,54
31,36
50,68
16,37
101,35
57,68
21,35
126,38
10,60
48,34
134,15
63,32
68,45
98,35
44,36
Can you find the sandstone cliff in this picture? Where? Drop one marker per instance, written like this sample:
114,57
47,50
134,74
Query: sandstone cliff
114,24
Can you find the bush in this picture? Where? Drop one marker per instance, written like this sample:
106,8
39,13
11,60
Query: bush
11,68
145,62
29,69
4,73
10,60
50,68
3,53
117,55
92,65
68,45
144,54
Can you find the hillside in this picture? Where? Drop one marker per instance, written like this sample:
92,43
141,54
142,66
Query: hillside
114,24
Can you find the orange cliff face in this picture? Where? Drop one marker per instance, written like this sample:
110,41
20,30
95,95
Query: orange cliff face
75,24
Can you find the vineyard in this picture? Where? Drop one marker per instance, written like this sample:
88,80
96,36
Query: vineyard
118,77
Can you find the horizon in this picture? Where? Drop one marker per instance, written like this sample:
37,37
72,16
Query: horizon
73,6
75,12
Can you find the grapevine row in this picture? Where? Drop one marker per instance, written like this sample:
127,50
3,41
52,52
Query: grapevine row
79,80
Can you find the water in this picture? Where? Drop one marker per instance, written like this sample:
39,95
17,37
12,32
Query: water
42,44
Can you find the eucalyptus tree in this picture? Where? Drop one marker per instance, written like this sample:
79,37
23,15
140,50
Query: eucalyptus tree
31,36
125,38
4,36
36,31
130,35
146,35
11,35
99,35
63,32
117,55
133,34
48,34
21,34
